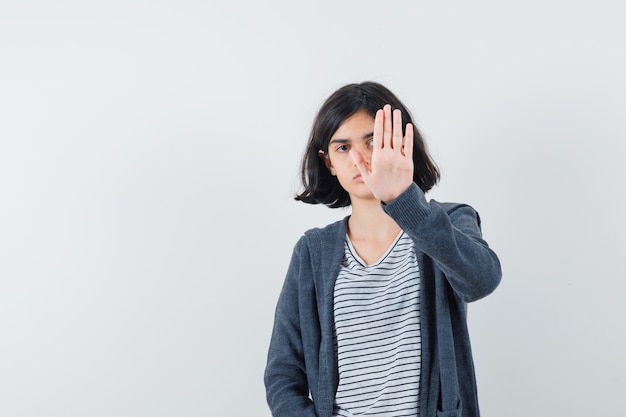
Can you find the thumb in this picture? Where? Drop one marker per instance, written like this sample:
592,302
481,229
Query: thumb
358,160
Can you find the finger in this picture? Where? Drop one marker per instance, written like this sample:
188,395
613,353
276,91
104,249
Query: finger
378,129
359,162
408,141
397,129
387,126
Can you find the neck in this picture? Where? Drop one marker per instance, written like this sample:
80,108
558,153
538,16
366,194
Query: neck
369,221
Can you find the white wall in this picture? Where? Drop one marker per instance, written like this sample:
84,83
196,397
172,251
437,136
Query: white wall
149,152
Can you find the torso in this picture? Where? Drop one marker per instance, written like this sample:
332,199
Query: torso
377,332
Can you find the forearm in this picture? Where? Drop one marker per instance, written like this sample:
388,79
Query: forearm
452,239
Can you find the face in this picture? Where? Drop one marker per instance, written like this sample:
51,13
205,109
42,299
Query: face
356,132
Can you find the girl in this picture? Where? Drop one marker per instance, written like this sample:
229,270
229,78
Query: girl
371,319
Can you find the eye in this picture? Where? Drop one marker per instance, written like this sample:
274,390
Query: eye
370,143
342,148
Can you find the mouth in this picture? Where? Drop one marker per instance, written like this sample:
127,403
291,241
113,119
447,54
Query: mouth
358,177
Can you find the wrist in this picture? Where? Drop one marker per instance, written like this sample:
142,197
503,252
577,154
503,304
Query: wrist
391,196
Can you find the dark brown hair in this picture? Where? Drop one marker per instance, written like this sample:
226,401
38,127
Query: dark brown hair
320,187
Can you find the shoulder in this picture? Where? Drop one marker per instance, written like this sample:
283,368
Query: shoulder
327,233
322,242
449,206
317,255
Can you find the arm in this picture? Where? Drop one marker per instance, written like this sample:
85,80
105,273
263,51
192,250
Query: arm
452,238
286,383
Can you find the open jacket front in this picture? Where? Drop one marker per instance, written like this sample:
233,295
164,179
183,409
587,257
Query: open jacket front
456,267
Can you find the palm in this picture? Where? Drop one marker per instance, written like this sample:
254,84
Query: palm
391,169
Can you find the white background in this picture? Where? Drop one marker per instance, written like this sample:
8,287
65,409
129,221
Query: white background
149,153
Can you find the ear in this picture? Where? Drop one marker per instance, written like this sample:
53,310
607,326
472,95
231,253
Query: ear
326,159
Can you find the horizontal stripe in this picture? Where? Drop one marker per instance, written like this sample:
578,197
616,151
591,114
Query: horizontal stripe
377,330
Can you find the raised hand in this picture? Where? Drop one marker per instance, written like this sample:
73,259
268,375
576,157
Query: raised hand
391,169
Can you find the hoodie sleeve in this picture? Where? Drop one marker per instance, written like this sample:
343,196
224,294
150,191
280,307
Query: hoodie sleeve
449,234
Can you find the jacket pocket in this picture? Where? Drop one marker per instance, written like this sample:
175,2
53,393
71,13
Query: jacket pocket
450,413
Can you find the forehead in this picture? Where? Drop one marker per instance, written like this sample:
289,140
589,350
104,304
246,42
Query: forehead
358,124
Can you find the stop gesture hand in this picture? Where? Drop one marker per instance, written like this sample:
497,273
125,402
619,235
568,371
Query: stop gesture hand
390,172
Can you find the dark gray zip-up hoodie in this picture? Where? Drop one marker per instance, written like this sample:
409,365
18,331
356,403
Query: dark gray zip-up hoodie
456,267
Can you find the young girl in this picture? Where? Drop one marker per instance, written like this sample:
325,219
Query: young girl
371,319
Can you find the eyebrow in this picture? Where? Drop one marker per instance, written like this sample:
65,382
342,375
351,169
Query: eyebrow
340,140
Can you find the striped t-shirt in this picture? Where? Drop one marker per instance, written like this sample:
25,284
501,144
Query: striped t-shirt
377,331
